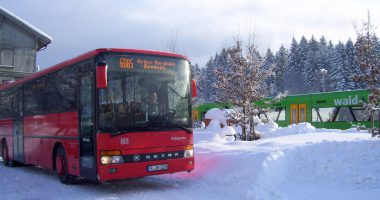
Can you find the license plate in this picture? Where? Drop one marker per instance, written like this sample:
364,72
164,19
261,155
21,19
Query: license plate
153,168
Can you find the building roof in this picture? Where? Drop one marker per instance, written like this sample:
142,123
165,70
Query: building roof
42,38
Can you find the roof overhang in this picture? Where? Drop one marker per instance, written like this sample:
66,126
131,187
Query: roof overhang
43,39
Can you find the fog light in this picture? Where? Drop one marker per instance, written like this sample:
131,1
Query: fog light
117,159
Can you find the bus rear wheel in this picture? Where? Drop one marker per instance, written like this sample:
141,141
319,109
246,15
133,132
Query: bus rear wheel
5,155
62,166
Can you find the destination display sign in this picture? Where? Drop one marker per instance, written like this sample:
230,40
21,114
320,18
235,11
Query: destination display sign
126,62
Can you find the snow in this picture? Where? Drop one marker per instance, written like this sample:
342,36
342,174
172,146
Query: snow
296,162
218,114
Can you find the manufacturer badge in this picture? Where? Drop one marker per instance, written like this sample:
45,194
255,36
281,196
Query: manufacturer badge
136,158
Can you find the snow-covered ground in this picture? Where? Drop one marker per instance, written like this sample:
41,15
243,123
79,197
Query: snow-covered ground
297,162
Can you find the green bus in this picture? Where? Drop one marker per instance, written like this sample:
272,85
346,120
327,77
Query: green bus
332,110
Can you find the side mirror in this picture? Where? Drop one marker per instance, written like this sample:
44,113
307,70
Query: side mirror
193,88
101,75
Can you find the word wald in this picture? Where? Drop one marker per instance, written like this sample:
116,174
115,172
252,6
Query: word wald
347,101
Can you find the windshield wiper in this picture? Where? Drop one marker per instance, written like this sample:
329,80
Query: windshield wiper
175,91
119,132
179,126
135,129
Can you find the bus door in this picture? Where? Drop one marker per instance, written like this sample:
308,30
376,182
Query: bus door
297,113
86,124
18,129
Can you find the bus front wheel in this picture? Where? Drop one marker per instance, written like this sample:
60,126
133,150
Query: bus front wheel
62,166
5,155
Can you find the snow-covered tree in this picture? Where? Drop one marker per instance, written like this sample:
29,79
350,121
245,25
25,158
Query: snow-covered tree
324,62
281,60
210,79
294,72
338,72
269,64
243,84
351,65
311,64
368,60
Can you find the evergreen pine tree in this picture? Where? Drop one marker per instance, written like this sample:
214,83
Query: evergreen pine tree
351,67
311,64
281,60
303,55
269,64
209,81
323,62
338,72
293,72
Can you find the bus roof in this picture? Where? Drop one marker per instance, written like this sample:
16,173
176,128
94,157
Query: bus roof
85,56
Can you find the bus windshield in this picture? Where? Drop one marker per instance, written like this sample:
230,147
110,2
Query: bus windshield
145,93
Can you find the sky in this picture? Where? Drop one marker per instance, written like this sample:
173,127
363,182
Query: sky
198,28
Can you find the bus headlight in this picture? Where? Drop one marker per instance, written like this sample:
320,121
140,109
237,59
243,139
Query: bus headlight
111,157
189,152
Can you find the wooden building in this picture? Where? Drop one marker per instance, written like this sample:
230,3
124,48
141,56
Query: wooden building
19,44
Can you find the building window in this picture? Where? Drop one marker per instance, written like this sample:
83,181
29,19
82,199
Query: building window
278,114
7,57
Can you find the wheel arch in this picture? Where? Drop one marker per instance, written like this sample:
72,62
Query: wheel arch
56,146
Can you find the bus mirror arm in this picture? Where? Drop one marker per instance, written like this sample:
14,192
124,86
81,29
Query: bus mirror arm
101,75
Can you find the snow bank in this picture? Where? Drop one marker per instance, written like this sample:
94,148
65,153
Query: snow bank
267,127
347,170
271,129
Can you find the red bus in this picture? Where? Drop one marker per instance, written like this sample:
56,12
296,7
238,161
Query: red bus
89,117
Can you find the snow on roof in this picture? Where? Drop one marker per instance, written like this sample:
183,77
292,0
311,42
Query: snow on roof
45,38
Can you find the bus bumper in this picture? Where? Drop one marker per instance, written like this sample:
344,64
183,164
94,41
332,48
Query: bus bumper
141,169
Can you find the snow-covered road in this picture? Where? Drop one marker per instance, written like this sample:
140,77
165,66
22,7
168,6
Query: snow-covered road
297,162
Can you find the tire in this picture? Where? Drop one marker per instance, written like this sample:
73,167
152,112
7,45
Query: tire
61,166
5,155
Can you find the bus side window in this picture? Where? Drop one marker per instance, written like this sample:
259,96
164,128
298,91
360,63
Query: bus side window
68,79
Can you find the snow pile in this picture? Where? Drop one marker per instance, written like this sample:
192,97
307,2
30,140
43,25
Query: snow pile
218,114
202,136
267,127
346,170
271,129
214,131
300,128
214,125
